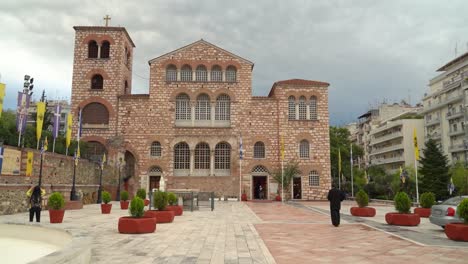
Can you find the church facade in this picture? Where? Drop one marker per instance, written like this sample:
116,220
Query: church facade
199,110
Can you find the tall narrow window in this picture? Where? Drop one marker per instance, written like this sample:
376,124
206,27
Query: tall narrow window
186,73
259,150
216,74
203,108
231,74
105,49
223,107
313,108
171,73
202,156
126,91
304,149
92,49
302,108
97,82
183,111
201,74
181,156
155,149
314,178
291,108
223,156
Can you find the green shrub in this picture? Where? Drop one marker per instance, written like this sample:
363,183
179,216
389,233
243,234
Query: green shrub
160,200
124,196
427,200
136,207
106,198
462,210
56,201
172,198
402,203
362,198
141,193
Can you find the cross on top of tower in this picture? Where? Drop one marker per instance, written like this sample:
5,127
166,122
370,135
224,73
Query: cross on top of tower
107,18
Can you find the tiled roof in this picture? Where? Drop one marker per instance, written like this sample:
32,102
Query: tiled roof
298,82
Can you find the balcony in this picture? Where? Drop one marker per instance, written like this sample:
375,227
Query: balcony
457,148
455,114
456,132
432,122
448,100
387,160
435,135
386,149
388,125
386,137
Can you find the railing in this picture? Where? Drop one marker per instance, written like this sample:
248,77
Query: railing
388,160
434,136
457,147
448,100
385,138
191,199
456,133
433,122
386,149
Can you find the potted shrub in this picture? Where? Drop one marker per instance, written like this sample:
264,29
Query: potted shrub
160,202
403,217
124,200
137,223
362,199
142,194
173,206
106,206
55,205
427,200
459,231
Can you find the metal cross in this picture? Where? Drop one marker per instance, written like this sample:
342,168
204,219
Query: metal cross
107,18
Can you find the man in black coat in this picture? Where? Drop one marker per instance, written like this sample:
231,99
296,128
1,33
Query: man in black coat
335,196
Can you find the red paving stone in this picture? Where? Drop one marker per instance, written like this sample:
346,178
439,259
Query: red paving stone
315,242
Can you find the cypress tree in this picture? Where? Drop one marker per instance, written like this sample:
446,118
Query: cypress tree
435,171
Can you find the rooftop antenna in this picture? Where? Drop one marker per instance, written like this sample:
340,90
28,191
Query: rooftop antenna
456,48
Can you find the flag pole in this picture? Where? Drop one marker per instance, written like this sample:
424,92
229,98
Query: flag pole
53,146
240,179
416,174
282,180
352,176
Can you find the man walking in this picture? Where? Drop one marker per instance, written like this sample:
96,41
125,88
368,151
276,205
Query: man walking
335,196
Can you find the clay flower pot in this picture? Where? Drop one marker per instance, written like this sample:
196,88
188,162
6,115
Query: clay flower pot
124,205
56,216
161,216
402,219
362,211
106,208
423,212
278,198
457,231
244,197
147,202
178,209
133,225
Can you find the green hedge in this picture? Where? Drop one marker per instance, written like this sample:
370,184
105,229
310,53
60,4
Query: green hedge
402,203
136,207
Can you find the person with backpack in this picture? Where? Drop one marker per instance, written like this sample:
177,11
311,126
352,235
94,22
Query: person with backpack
35,200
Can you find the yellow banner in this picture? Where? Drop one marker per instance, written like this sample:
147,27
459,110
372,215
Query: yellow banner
69,129
40,106
416,148
29,163
282,148
2,95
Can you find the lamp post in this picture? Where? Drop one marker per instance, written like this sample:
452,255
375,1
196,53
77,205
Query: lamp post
23,104
99,198
73,190
118,187
40,166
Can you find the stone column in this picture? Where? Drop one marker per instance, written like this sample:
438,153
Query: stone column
308,112
194,75
296,107
208,78
192,111
213,113
178,75
192,161
212,161
99,51
224,76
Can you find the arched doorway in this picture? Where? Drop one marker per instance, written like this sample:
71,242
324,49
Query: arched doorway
260,183
154,175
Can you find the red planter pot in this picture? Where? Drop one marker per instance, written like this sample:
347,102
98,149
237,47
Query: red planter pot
402,219
106,208
363,211
124,205
278,198
244,197
177,209
161,216
56,216
457,231
132,225
423,212
147,202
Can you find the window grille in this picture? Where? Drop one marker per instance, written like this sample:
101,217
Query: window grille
202,156
222,156
313,108
93,49
95,113
155,149
183,111
171,73
231,74
291,108
314,179
302,108
97,82
259,169
304,149
216,74
105,50
259,150
203,108
181,156
155,171
186,73
223,107
201,74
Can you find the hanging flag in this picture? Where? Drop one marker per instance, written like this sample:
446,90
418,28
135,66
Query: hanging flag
282,147
103,161
2,96
402,177
78,134
40,112
339,162
69,130
451,186
241,149
56,121
29,163
46,144
1,158
22,112
415,141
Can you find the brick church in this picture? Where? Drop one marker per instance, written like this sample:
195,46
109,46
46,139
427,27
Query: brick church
187,128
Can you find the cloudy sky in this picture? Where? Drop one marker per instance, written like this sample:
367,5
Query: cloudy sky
369,51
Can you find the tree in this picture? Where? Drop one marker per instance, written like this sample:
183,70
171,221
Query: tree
434,170
459,176
290,170
379,185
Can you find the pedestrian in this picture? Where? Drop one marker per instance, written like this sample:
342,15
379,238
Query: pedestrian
260,192
335,196
35,200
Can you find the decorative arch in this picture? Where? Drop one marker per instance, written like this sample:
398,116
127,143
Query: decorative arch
155,171
98,38
186,73
95,99
201,73
101,72
259,169
216,73
231,74
171,73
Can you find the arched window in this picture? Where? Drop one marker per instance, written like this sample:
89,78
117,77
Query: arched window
203,108
223,107
95,113
313,108
183,111
201,74
93,49
216,74
223,156
94,151
259,170
302,108
259,150
171,73
314,178
231,74
291,108
155,150
186,73
181,156
105,50
304,149
97,82
202,156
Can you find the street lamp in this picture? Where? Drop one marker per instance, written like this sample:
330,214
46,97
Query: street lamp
118,187
73,190
101,166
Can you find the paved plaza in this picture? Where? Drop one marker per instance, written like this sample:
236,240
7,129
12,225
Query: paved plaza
261,232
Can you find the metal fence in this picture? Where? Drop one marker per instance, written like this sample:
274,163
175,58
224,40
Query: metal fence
191,200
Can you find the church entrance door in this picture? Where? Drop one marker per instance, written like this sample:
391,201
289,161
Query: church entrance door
154,182
297,188
259,187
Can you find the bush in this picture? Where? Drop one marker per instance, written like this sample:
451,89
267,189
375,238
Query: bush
427,200
362,199
56,201
402,203
141,193
172,198
160,200
106,198
136,207
124,196
462,210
